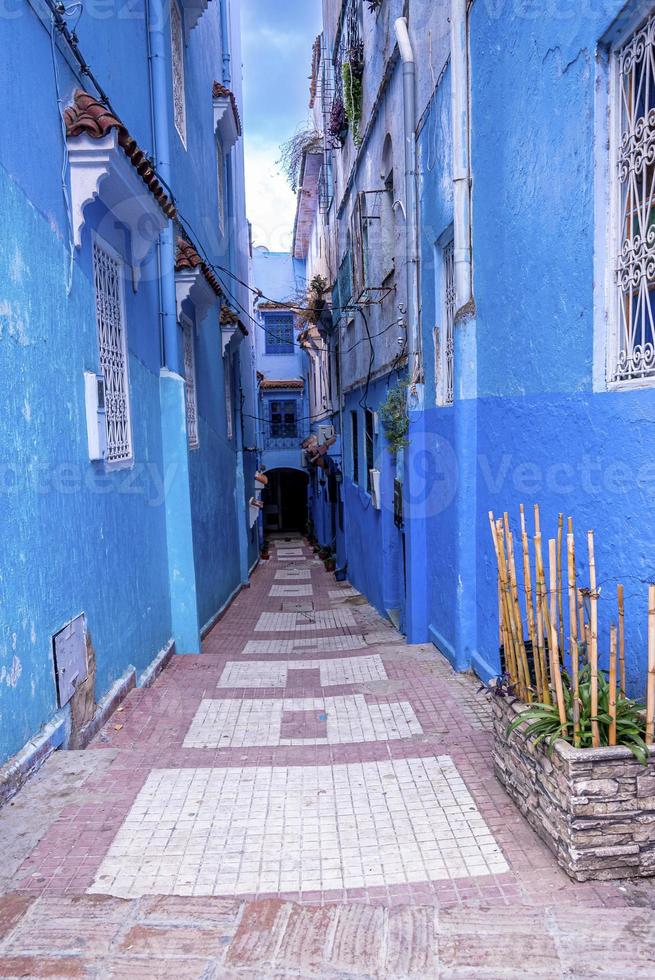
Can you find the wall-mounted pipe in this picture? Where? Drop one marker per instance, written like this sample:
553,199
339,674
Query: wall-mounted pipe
459,55
411,216
161,97
225,44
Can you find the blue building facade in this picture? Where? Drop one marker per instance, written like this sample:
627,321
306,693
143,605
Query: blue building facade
125,481
529,339
282,406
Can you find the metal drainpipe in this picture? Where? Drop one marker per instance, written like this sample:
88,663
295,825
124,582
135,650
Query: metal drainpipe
411,238
156,11
461,159
225,40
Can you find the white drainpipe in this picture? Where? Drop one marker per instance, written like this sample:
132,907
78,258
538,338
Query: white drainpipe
411,237
461,162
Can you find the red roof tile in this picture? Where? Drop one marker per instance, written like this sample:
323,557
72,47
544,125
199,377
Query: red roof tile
186,257
89,116
222,92
230,318
293,384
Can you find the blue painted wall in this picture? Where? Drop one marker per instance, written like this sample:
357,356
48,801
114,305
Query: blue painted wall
374,543
76,537
528,423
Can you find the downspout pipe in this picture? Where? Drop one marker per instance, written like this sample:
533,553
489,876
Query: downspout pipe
225,44
157,11
461,155
411,236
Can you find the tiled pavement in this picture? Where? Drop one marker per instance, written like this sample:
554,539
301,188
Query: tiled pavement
309,797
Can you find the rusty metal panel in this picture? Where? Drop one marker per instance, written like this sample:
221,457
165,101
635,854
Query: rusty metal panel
69,648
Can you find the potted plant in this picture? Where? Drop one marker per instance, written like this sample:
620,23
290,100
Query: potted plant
573,751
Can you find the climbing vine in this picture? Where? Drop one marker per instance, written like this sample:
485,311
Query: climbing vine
395,419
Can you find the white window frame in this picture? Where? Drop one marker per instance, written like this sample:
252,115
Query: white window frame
190,386
444,330
177,70
609,353
113,462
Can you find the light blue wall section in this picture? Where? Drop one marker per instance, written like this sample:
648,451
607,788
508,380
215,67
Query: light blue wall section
527,425
76,537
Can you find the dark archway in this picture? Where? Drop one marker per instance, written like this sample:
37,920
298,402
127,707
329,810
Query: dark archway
285,500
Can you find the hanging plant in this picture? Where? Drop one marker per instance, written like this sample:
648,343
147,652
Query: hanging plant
315,302
338,124
351,75
395,419
293,151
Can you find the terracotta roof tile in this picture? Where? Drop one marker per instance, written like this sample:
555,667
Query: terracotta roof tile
186,257
222,92
293,384
87,115
230,318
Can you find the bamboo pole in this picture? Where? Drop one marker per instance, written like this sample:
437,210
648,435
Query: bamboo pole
529,608
555,667
573,623
517,677
582,632
593,651
619,592
612,686
518,619
650,689
540,585
560,597
506,627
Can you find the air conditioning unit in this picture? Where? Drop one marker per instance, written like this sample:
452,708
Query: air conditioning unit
375,488
324,433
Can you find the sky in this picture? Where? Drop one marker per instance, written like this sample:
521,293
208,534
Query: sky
277,38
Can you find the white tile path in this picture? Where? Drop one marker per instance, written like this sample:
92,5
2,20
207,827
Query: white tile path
289,552
291,590
323,619
268,829
275,673
293,573
343,593
258,721
307,644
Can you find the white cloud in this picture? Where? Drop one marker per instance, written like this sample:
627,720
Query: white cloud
270,202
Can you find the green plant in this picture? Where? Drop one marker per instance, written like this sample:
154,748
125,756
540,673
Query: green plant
543,722
353,94
395,419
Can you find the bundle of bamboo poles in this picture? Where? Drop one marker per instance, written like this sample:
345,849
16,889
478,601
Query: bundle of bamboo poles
534,650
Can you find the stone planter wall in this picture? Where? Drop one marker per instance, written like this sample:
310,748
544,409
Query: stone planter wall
594,808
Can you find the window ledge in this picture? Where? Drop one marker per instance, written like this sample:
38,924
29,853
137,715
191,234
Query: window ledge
99,170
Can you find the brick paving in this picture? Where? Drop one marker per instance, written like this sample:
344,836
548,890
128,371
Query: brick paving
309,797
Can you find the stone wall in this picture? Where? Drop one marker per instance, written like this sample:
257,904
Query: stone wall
594,808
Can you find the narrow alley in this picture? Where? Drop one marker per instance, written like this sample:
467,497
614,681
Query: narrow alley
309,796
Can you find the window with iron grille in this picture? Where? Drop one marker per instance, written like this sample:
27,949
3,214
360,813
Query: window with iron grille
369,428
631,347
190,395
283,417
354,435
112,348
177,51
279,333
